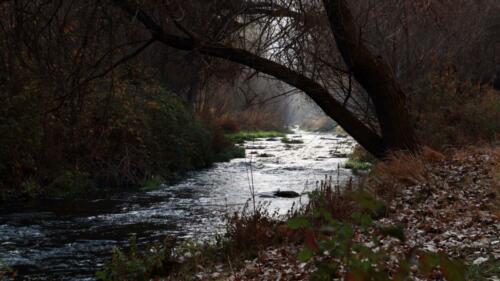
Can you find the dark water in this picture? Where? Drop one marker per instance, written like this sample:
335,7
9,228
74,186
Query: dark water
58,240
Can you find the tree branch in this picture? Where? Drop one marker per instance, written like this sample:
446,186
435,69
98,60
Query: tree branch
367,138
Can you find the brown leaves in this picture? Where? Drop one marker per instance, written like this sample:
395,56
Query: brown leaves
310,240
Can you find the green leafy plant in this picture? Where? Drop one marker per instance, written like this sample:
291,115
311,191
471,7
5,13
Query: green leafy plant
335,247
140,266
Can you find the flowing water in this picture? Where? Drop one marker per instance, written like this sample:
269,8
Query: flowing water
58,240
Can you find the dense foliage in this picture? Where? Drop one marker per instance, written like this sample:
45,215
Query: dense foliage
116,139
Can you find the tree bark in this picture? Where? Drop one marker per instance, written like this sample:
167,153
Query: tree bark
375,76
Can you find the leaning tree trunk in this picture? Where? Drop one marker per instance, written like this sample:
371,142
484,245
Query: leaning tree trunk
375,76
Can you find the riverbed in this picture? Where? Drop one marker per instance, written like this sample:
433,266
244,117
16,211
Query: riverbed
61,240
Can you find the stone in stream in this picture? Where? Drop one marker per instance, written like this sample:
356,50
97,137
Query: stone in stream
286,194
337,154
255,147
265,155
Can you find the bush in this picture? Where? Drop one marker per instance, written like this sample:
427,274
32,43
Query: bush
70,184
333,242
136,265
247,232
450,112
122,138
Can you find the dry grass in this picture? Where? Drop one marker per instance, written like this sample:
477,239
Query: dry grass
401,168
456,113
330,198
252,230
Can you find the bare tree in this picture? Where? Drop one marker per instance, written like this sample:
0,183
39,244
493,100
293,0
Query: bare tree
375,76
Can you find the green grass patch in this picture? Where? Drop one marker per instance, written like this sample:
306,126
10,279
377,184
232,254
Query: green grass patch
152,183
357,165
231,153
242,136
291,141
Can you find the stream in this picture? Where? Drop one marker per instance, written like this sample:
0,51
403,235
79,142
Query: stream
61,240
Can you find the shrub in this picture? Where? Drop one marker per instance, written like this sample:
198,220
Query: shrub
451,112
21,131
250,231
335,247
70,184
136,265
118,138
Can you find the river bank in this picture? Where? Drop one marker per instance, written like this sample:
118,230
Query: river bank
445,204
58,240
440,221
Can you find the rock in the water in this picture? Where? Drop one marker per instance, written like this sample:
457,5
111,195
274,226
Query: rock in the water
265,155
286,194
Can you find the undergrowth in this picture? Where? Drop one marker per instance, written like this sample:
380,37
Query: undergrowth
122,140
333,241
248,232
451,112
339,230
360,160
